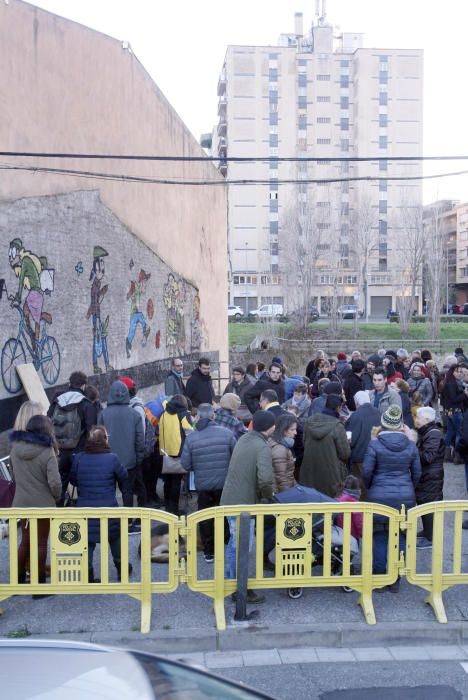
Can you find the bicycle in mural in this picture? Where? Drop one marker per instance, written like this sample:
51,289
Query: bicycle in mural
45,352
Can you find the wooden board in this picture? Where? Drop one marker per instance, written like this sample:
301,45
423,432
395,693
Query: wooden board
32,384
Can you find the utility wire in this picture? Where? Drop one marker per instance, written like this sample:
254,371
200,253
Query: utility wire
231,159
219,181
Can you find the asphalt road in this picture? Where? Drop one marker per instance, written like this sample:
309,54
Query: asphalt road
392,680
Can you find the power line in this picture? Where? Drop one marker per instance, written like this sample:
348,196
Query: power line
231,159
221,182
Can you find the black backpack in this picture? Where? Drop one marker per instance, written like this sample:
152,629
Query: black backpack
67,426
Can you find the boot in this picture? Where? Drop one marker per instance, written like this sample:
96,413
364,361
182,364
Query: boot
38,596
448,454
118,565
457,459
91,578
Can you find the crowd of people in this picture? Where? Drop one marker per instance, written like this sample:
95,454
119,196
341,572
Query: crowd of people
375,428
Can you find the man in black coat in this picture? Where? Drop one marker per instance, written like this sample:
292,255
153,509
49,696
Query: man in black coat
360,426
274,381
199,387
354,382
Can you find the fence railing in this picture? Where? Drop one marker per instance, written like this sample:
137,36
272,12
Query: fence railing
307,548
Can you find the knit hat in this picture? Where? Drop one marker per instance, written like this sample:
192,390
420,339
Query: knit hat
375,359
450,360
230,402
262,421
129,383
277,360
342,356
391,419
333,388
392,354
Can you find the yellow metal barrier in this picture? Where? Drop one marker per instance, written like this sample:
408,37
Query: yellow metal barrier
436,580
69,554
294,530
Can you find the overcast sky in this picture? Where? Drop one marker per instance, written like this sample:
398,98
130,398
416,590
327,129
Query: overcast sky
182,44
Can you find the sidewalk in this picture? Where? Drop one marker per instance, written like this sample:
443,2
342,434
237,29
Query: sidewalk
184,620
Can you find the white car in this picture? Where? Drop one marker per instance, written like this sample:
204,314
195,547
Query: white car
235,312
268,311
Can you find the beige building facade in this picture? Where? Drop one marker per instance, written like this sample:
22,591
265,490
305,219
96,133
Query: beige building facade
121,272
318,97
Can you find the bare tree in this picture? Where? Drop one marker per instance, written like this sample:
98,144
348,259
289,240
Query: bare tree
363,242
299,252
409,256
435,266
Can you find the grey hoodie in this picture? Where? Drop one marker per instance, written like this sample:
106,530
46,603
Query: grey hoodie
137,404
123,424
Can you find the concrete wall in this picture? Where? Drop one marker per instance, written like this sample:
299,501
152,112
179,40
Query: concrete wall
65,88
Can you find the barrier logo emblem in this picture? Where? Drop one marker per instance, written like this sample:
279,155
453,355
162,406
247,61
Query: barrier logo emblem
294,528
69,533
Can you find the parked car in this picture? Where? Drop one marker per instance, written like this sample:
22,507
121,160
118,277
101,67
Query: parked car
349,311
268,311
456,309
312,314
235,312
66,669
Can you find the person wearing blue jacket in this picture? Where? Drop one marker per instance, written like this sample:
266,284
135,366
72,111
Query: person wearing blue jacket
391,471
96,472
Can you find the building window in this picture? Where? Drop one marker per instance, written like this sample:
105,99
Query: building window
302,144
322,226
302,79
383,77
323,142
273,118
383,250
344,146
383,120
382,264
382,206
274,269
382,142
345,187
383,165
344,64
274,248
323,120
273,139
383,185
344,209
344,81
323,98
273,96
344,124
323,246
323,204
323,77
383,98
302,102
273,227
344,102
302,121
274,205
383,227
274,185
302,62
273,74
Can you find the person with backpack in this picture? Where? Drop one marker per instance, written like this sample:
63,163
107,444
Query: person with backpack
73,416
126,440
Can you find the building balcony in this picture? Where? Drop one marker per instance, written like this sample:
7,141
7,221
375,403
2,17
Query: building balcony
222,167
222,106
222,147
222,127
222,83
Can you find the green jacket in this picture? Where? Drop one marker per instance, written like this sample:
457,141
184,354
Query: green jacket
326,452
250,474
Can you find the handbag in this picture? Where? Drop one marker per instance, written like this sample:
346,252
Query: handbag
71,494
172,465
7,493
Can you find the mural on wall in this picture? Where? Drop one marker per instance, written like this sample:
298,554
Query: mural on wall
136,316
98,292
94,332
35,280
174,299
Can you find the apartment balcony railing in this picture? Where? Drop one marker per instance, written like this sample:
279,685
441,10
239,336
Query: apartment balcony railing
222,83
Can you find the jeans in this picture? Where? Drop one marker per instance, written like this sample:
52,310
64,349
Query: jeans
230,554
135,319
134,484
43,527
114,545
453,428
379,550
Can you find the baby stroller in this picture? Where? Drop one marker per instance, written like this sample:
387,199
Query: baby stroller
303,494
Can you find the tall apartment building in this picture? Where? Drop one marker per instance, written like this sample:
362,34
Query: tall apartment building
318,96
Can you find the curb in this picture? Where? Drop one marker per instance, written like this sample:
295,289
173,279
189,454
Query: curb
278,636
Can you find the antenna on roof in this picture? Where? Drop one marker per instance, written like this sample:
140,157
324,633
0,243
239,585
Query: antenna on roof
321,11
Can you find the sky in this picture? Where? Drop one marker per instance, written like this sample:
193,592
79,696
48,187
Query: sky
182,45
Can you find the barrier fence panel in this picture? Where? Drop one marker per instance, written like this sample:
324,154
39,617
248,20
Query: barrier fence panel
304,539
439,578
71,572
